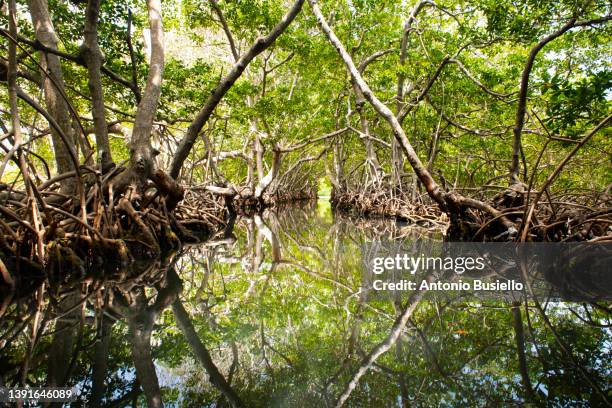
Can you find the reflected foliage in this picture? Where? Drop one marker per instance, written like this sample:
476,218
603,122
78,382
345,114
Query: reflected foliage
277,305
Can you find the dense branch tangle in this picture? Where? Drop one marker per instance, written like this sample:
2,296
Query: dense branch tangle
270,131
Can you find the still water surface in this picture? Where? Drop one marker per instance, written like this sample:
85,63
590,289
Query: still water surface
272,314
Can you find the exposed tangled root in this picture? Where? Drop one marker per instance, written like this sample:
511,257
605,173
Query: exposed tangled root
99,227
380,203
563,217
249,204
199,209
290,195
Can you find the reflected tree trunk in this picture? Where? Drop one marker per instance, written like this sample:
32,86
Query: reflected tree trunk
203,355
519,338
141,315
382,347
100,363
140,342
63,343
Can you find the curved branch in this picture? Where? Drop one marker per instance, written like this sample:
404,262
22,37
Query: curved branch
402,114
477,82
261,44
522,99
560,167
228,33
75,59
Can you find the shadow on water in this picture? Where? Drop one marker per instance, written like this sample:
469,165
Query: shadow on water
274,314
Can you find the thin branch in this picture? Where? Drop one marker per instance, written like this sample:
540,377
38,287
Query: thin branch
260,45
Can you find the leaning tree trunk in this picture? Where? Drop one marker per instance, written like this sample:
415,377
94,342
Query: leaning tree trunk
521,109
198,348
261,44
93,60
141,152
450,202
53,86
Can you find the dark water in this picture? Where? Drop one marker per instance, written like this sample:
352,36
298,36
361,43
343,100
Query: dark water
276,309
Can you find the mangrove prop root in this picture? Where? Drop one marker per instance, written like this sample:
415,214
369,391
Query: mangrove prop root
563,217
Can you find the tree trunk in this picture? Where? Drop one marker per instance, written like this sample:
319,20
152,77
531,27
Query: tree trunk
522,99
338,180
264,182
141,152
216,378
53,86
93,60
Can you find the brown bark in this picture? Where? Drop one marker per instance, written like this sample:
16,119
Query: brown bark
53,85
133,85
141,152
93,60
215,6
173,191
12,88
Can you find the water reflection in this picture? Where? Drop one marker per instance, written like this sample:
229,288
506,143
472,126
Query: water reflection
273,314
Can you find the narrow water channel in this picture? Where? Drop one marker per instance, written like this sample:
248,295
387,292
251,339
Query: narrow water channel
280,312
